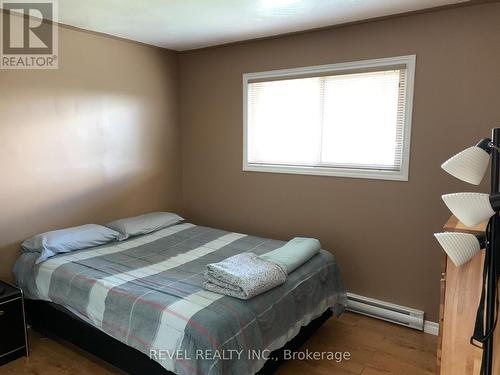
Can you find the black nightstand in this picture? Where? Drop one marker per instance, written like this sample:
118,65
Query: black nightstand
13,340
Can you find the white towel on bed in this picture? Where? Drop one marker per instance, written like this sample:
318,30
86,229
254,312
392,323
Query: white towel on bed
243,276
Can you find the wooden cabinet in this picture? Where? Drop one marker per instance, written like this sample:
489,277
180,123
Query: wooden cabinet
460,294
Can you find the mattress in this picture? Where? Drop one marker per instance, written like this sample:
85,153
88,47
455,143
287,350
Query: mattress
147,293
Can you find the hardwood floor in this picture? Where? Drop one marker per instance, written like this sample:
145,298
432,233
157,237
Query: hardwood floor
376,348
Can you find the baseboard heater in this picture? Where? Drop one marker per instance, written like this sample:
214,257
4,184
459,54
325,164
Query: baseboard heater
386,311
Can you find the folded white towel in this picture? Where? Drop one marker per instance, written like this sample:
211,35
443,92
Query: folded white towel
243,276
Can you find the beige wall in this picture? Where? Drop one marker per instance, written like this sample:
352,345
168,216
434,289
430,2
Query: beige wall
381,231
96,140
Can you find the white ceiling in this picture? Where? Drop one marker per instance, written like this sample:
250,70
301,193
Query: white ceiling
189,24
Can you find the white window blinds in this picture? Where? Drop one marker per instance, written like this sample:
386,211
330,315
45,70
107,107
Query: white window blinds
337,121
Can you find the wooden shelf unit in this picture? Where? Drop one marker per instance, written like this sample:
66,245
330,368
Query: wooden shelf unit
460,294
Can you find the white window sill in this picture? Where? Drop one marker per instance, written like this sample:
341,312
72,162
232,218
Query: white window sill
327,171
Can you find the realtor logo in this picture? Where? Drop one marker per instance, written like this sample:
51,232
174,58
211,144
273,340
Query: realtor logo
29,37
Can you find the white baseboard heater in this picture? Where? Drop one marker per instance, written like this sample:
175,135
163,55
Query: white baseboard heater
386,311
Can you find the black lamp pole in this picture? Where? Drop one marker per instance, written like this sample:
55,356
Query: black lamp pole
491,258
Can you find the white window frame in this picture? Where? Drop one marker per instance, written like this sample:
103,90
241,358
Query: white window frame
402,175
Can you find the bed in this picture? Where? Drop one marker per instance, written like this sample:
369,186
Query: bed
140,304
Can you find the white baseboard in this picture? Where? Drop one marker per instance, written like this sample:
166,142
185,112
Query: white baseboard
390,312
431,328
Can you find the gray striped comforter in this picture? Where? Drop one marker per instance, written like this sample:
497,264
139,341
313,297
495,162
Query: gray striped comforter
147,292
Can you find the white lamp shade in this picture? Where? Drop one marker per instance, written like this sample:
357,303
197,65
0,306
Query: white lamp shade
470,208
460,247
468,165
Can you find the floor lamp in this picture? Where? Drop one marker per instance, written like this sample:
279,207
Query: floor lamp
470,166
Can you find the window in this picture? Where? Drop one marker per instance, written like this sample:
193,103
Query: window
350,120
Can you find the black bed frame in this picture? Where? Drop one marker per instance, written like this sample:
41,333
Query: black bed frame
54,322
